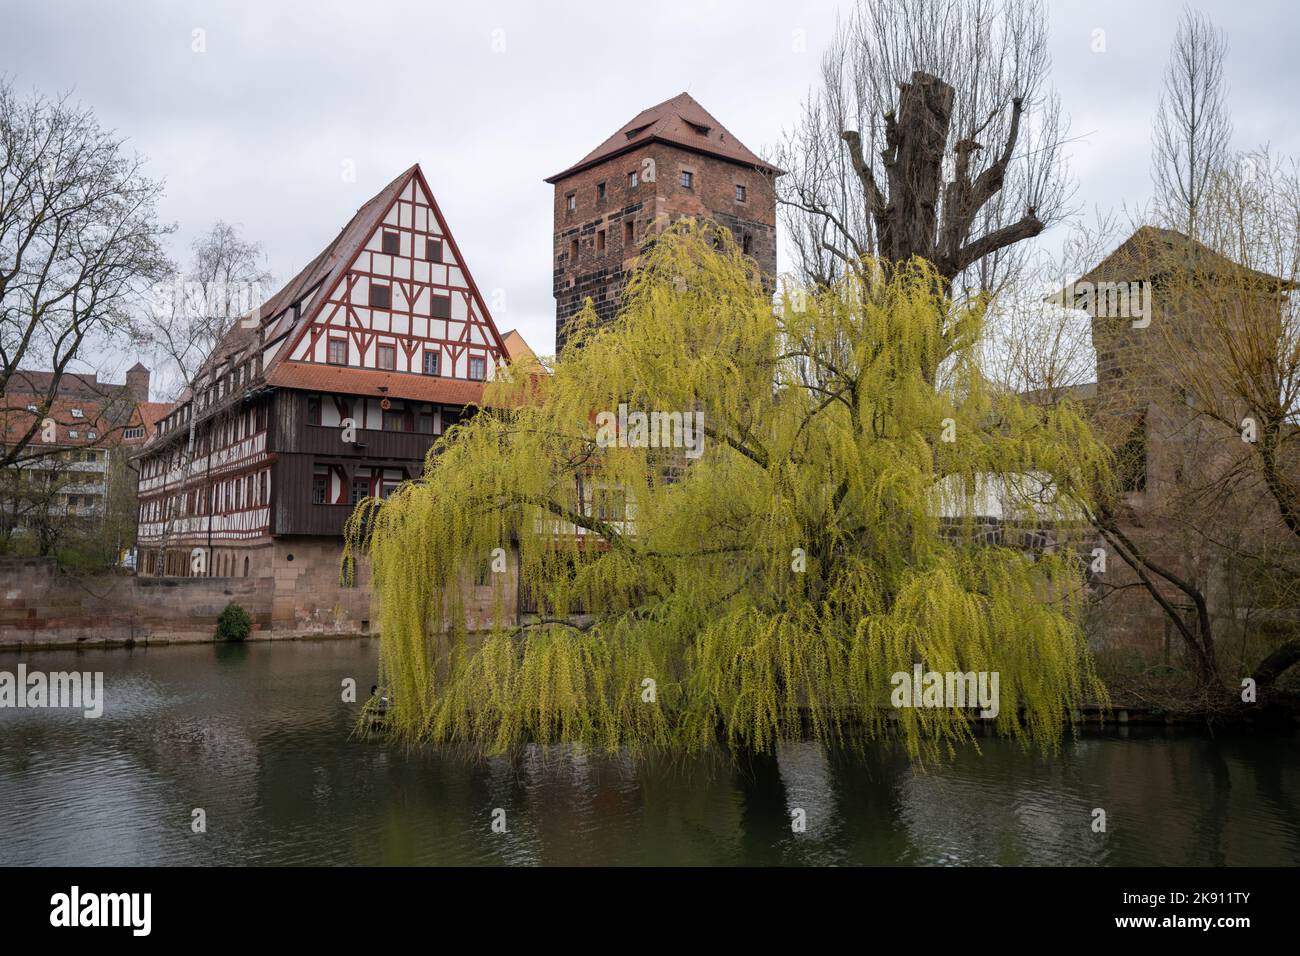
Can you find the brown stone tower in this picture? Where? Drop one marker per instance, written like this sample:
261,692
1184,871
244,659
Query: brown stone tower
671,160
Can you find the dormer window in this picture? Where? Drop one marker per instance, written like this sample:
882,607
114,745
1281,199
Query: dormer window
392,243
699,128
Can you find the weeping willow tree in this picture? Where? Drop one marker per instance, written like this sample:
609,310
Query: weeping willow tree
819,533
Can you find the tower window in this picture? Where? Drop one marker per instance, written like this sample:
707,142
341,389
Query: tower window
440,306
600,192
433,250
386,357
629,231
338,352
600,242
381,296
687,178
392,243
740,193
746,243
632,180
573,250
1131,458
571,201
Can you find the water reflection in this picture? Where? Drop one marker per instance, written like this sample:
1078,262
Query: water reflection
259,737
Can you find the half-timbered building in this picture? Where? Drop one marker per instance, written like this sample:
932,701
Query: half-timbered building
332,391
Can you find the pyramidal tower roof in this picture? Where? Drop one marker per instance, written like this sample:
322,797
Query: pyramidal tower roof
680,121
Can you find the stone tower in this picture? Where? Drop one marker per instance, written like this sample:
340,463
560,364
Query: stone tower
669,161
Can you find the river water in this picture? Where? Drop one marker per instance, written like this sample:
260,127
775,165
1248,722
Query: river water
257,737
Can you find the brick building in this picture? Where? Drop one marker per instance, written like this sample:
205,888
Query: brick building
669,161
79,433
1188,501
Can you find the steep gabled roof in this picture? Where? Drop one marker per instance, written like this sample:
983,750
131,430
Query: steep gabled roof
322,274
243,339
679,121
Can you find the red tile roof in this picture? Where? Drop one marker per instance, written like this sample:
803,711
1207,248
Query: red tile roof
679,122
350,380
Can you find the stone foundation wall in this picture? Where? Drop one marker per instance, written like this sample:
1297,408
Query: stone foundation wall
293,590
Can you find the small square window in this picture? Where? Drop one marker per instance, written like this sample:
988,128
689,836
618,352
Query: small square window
392,243
687,178
77,413
92,436
740,194
440,306
600,192
73,433
381,296
433,250
430,361
477,368
632,180
31,408
338,352
571,202
386,356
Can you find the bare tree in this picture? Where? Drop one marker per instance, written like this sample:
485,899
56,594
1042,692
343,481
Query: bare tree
933,134
191,313
79,241
1192,129
1036,342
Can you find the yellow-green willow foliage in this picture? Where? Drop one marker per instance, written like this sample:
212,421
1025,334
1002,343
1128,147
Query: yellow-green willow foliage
824,539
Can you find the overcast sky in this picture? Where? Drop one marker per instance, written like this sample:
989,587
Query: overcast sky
492,96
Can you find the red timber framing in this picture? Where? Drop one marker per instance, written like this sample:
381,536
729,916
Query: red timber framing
413,320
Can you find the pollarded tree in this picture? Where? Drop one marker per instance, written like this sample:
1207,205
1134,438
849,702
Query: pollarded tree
816,533
932,133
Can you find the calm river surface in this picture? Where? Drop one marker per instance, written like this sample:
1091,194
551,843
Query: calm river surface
257,736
